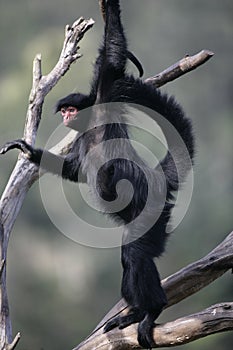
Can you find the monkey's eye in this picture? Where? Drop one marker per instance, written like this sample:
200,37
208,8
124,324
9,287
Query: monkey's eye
69,110
63,111
72,110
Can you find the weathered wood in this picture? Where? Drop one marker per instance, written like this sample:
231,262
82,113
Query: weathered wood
217,318
6,342
25,173
185,65
178,286
191,278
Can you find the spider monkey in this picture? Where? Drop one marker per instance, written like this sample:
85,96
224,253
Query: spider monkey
141,286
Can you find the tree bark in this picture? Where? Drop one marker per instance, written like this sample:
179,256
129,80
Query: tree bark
217,318
183,66
26,173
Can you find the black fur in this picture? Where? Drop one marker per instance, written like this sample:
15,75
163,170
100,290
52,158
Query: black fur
141,286
136,62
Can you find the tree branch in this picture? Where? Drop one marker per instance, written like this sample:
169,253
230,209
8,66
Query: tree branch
177,287
14,343
18,185
26,173
185,65
217,318
190,279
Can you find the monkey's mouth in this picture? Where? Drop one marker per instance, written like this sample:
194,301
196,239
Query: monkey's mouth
68,120
69,114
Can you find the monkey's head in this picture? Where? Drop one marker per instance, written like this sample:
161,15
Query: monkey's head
70,106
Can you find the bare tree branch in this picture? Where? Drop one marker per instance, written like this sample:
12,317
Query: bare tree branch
14,343
185,65
191,278
41,87
5,325
25,173
179,286
217,318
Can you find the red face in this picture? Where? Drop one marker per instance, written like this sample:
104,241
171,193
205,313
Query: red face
68,114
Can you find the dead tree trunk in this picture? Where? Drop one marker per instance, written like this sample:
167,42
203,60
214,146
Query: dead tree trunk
25,173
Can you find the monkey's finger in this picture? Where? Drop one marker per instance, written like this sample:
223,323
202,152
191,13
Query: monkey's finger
19,144
7,147
111,324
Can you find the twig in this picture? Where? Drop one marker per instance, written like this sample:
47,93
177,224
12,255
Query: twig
13,345
42,85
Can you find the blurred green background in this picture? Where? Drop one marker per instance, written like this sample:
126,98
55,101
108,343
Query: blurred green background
59,290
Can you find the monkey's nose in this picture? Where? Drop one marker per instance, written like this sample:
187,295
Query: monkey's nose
66,118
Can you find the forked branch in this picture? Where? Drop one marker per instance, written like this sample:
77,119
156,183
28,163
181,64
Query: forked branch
217,318
24,174
189,280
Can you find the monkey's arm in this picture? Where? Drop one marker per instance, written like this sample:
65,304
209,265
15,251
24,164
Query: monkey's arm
68,167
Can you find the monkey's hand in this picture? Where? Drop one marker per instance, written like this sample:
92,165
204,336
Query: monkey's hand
20,144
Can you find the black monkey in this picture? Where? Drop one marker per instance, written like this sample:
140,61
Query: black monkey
141,287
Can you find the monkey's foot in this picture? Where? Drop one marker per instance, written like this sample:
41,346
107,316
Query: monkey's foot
145,332
121,322
145,327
